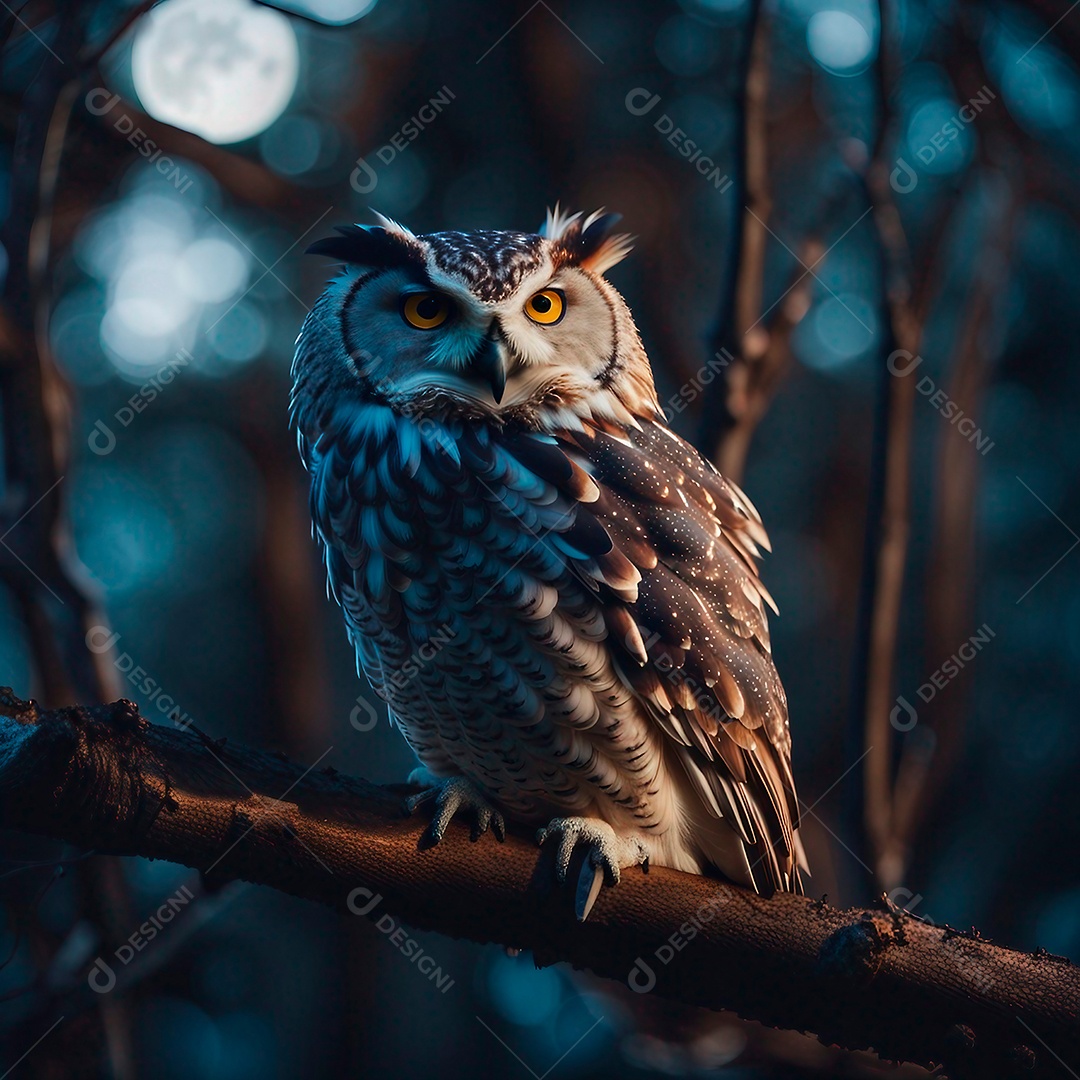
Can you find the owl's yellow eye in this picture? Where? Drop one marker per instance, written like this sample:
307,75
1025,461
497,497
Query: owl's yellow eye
546,307
425,310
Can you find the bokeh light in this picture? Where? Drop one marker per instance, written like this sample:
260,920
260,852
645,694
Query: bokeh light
293,145
1045,92
840,42
167,275
837,332
937,140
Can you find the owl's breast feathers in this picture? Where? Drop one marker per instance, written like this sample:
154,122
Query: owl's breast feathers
577,616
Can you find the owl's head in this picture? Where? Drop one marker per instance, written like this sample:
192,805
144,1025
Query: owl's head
508,326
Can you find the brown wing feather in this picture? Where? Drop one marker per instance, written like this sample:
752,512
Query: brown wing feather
693,640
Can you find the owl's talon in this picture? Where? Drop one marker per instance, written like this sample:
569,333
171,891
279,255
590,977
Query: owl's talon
606,854
413,802
451,796
484,820
590,881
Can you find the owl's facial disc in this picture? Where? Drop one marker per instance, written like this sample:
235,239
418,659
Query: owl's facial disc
554,330
410,338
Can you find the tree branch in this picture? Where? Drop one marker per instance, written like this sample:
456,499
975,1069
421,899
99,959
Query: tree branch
909,291
106,778
753,342
927,762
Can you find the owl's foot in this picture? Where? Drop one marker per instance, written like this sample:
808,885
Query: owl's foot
606,854
451,796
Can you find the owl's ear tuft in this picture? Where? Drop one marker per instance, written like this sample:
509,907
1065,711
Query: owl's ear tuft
591,244
370,245
600,248
559,222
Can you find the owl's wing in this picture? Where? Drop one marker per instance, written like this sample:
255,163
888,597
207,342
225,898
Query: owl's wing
691,636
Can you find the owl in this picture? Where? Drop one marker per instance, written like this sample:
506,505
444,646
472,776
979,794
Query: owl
555,595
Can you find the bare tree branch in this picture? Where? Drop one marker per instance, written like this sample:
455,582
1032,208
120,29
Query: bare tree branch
726,428
106,778
909,289
950,593
753,342
1008,158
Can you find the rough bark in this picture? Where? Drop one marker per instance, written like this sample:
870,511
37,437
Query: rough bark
106,778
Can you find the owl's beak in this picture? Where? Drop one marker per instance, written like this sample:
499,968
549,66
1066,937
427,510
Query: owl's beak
489,365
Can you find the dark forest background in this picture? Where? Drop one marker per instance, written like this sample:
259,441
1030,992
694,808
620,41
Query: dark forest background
918,198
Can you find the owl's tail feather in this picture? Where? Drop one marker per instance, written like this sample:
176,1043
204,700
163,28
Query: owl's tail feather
800,854
735,828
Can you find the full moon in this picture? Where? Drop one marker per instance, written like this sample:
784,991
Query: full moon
223,69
